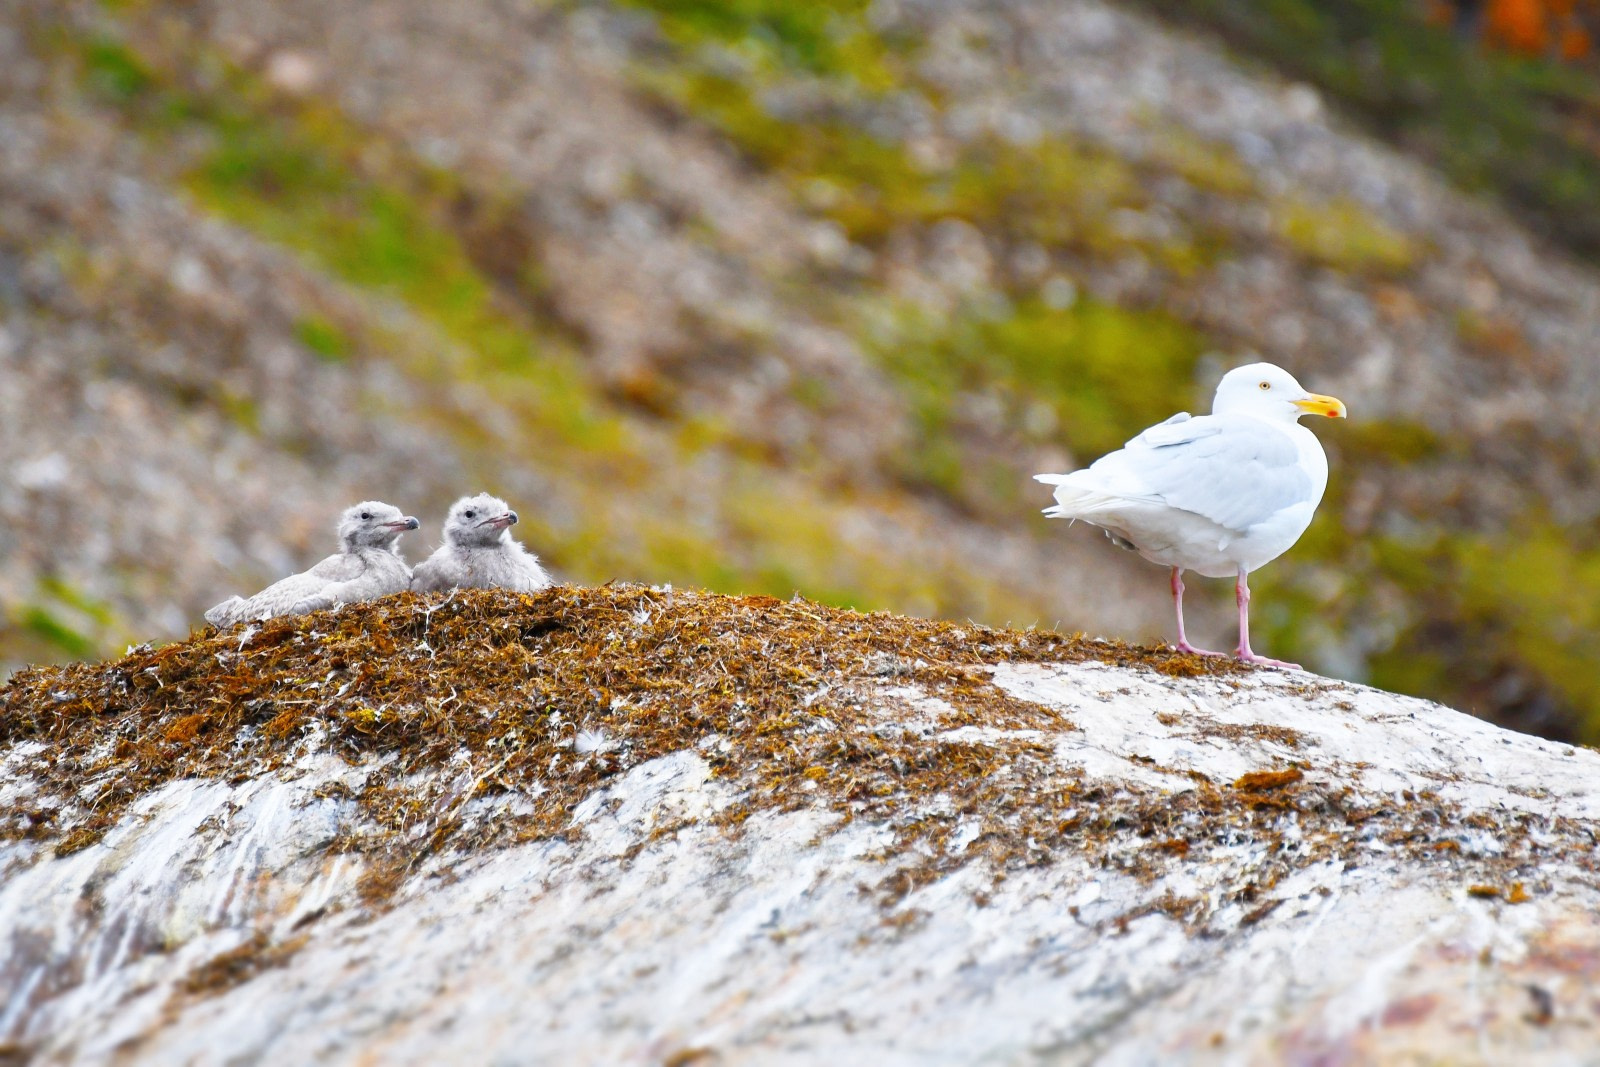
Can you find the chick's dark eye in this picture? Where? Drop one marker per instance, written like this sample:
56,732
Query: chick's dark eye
471,514
366,514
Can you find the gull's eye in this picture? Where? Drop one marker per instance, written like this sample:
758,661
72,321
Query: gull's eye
471,514
366,514
1266,385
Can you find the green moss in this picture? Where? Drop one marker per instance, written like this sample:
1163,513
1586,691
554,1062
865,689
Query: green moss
1540,601
57,620
1203,163
1102,372
1058,192
1345,236
828,37
44,626
324,337
1397,441
1479,620
300,174
867,185
112,72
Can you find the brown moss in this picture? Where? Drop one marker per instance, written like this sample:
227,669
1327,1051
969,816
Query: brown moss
238,965
380,881
16,1054
1240,732
686,1057
81,837
481,695
186,728
1259,912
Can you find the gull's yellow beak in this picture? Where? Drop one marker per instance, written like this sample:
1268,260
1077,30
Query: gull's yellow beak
1317,404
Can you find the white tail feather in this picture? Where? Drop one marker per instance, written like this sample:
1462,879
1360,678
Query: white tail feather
1083,503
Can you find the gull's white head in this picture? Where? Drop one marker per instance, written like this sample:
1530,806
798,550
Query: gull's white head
478,521
373,524
1270,392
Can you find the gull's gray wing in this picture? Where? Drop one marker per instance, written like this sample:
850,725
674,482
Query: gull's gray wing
1234,470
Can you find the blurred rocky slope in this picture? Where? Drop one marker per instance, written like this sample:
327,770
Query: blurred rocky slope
679,828
761,296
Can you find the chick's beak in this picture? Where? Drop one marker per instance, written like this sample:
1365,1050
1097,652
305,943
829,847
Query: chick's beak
407,523
1317,404
500,522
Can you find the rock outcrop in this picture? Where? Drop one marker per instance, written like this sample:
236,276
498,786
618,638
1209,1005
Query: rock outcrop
644,825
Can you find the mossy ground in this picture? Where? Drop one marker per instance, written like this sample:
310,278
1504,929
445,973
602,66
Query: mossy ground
541,699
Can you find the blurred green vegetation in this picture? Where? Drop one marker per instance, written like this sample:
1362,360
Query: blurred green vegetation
324,337
1063,194
57,620
1520,128
1065,197
1082,373
825,37
304,176
1346,237
300,174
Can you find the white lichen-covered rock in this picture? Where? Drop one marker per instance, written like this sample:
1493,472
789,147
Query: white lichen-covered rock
1244,868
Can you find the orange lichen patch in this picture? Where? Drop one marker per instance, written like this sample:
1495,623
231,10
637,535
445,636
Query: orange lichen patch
1261,781
1485,891
1518,894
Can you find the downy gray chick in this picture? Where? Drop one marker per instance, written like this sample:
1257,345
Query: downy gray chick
367,565
478,552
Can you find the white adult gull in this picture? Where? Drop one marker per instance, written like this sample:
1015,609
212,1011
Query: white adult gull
478,552
1221,494
367,565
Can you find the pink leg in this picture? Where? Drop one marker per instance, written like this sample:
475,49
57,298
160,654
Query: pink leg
1177,601
1242,591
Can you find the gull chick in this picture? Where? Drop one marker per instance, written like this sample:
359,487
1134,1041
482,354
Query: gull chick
478,552
1221,494
367,565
